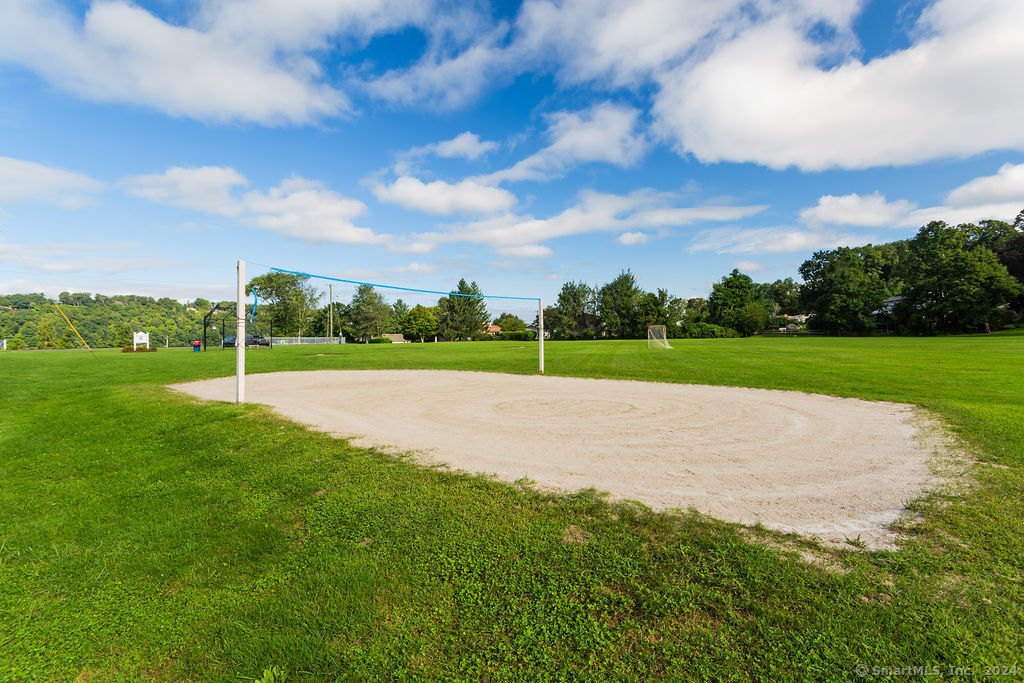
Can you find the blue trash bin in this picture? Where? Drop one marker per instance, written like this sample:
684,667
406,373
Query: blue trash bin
196,346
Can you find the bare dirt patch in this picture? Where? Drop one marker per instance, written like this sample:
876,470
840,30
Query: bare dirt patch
827,467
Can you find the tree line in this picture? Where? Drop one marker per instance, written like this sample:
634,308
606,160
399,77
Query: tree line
291,306
32,320
962,278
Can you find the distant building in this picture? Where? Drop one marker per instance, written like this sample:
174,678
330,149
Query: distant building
493,330
396,338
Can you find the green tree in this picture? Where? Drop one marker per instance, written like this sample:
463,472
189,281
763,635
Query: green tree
619,306
68,340
369,313
750,318
990,234
952,285
124,335
46,334
695,310
728,296
577,313
464,313
289,298
419,323
660,308
842,288
785,294
399,310
510,323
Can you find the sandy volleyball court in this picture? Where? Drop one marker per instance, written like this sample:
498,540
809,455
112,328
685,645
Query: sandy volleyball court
818,465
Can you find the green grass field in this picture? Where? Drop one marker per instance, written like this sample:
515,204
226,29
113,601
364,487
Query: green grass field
144,535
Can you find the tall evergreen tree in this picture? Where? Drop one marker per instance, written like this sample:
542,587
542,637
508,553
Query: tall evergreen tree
370,314
577,312
463,314
619,302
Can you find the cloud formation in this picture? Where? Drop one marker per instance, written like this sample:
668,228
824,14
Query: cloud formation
522,236
871,210
442,198
22,181
606,132
997,197
769,240
297,207
782,84
234,62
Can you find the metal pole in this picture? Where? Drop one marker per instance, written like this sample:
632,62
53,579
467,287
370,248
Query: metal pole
240,337
540,331
330,313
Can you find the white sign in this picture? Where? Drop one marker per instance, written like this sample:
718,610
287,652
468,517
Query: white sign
140,338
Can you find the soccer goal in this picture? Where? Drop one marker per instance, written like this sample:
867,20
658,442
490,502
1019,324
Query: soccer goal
657,337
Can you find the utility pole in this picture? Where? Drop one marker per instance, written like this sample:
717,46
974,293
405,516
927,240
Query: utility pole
330,313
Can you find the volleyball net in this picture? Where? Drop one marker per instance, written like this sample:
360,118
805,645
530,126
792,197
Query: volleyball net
289,305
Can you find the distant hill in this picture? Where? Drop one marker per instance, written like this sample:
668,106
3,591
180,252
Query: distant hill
32,321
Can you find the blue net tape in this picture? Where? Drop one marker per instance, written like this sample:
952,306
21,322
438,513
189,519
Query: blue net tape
404,289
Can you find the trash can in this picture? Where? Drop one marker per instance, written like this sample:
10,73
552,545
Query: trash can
196,346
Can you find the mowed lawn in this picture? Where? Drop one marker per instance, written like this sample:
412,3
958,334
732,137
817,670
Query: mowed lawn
146,535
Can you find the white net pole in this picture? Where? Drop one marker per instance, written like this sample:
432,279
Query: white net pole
540,331
240,337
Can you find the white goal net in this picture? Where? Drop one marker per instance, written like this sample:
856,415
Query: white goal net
657,337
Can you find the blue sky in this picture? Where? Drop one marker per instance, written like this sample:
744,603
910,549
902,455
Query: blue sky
146,146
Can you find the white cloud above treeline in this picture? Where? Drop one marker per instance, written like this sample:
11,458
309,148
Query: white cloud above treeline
22,181
297,207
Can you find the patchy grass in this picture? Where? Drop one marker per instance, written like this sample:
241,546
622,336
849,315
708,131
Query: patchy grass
148,536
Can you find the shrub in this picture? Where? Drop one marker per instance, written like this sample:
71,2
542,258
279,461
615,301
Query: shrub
525,335
380,340
706,331
482,336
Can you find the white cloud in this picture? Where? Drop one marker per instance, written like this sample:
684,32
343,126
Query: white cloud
853,209
604,133
515,235
237,62
415,268
304,209
526,251
776,82
28,181
439,197
1005,186
107,258
770,240
207,188
631,238
443,81
466,145
297,207
998,197
749,266
933,99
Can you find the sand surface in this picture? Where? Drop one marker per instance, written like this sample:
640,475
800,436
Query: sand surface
833,468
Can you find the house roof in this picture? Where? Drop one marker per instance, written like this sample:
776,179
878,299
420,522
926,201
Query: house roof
493,329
